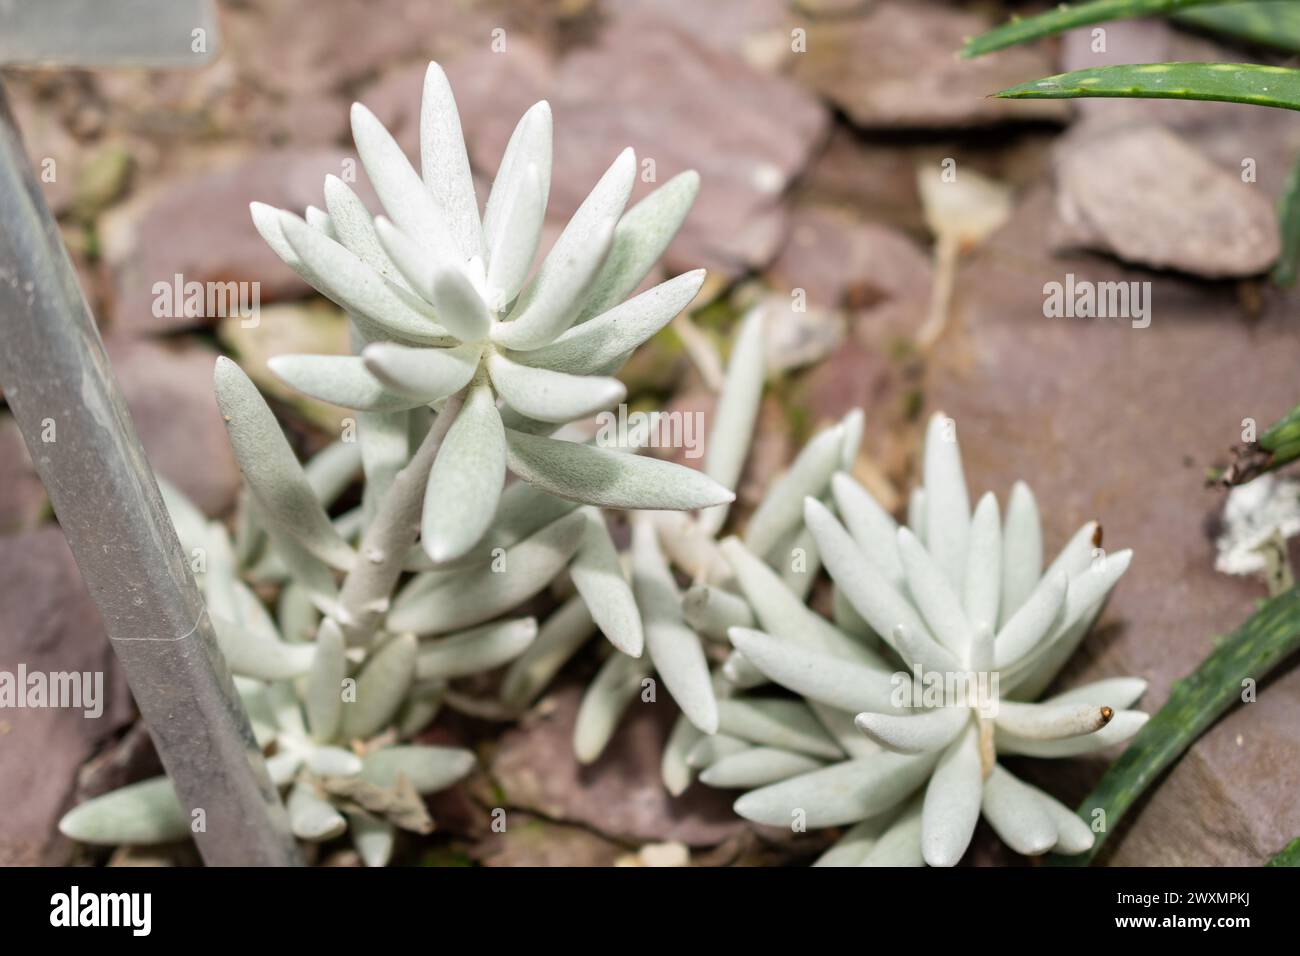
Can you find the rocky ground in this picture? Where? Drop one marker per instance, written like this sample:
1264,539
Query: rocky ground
809,163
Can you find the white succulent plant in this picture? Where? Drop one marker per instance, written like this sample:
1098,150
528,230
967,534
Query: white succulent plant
441,307
446,327
962,602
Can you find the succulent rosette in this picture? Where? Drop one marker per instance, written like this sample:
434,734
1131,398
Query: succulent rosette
959,598
443,305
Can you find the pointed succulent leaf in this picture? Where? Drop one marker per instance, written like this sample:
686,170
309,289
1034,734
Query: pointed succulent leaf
444,163
1123,725
466,479
675,772
841,793
372,838
599,346
872,527
404,197
597,573
381,685
422,373
597,476
471,652
355,230
359,289
473,595
879,603
947,502
672,646
782,613
270,468
529,145
340,380
1017,814
1022,551
642,235
776,722
757,767
915,733
252,655
323,697
429,768
615,686
515,244
900,845
833,680
736,413
983,581
781,509
711,748
311,817
552,396
1051,721
1116,692
952,802
857,841
713,611
139,814
933,593
1032,622
559,638
459,307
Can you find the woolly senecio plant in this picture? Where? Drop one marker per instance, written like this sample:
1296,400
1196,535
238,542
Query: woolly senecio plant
962,603
463,370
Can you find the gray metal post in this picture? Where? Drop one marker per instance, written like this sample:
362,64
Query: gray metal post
59,385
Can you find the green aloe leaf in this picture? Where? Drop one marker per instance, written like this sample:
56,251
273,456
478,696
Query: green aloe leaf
1288,856
1288,214
1267,638
1066,17
1229,82
1274,23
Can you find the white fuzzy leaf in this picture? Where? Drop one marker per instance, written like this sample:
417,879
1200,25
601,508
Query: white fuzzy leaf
933,593
757,767
273,473
422,373
1122,726
781,509
735,415
466,479
139,814
253,655
429,768
1022,550
873,529
475,594
947,504
596,476
516,242
776,722
672,646
840,683
381,685
529,145
915,733
600,345
983,579
552,396
475,651
444,163
642,235
311,817
597,573
841,793
340,380
1017,814
1032,622
675,772
354,228
952,802
614,687
323,697
404,197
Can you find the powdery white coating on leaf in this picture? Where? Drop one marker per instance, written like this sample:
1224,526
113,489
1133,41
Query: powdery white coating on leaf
139,814
818,676
422,373
597,574
596,476
736,414
466,480
340,380
673,647
952,802
782,507
757,767
566,630
270,468
444,163
474,651
552,396
381,685
776,722
429,768
616,685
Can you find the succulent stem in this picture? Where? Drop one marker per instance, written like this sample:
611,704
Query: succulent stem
364,597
